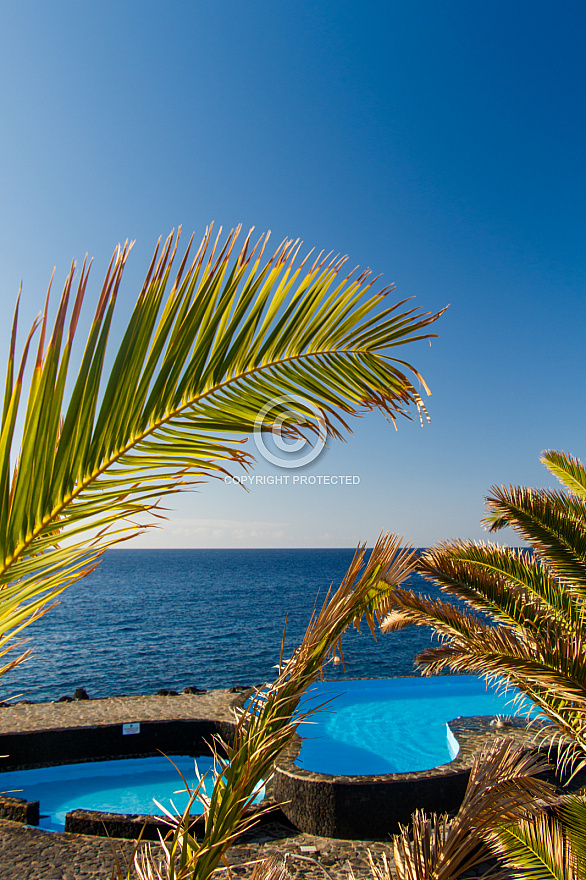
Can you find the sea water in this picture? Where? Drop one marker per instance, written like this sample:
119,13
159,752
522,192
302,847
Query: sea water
152,619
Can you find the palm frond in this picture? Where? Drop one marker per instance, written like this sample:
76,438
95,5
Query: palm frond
552,523
506,583
503,787
568,469
206,348
268,722
273,868
535,849
573,817
547,666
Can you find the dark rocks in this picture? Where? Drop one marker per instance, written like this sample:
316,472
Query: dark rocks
65,699
164,692
194,690
119,825
80,694
19,810
240,689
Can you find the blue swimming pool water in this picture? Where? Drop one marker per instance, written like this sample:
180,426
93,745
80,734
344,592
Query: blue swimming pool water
129,785
392,725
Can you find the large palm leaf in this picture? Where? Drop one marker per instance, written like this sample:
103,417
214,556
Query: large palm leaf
207,346
532,634
538,848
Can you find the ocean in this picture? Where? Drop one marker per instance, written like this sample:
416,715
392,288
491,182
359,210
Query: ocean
152,619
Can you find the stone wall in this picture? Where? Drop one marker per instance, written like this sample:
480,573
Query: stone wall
372,807
45,748
19,810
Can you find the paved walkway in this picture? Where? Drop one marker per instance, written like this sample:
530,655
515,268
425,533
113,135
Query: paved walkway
21,717
32,854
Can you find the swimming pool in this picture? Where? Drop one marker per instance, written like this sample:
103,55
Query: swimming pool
128,785
392,725
374,728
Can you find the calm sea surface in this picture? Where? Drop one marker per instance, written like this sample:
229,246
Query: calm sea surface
151,619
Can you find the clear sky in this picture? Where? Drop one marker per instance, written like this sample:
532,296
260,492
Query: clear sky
441,144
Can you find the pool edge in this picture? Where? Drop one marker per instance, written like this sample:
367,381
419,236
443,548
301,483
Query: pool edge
372,807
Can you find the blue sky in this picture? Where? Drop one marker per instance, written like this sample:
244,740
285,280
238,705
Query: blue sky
439,144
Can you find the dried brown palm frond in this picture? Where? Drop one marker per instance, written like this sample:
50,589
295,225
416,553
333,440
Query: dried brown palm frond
267,724
273,868
150,866
380,868
503,788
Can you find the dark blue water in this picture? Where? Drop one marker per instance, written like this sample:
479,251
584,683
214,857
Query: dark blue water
151,619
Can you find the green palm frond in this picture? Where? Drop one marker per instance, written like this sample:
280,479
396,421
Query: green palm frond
509,584
536,849
548,671
208,345
408,608
553,524
568,469
572,814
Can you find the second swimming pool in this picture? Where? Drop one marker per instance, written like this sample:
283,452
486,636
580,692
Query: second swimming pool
393,725
127,785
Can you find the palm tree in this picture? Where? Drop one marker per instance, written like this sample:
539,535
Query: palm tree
531,635
209,345
532,630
